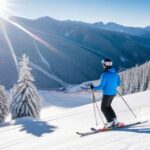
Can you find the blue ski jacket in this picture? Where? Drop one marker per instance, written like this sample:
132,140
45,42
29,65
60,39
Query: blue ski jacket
109,82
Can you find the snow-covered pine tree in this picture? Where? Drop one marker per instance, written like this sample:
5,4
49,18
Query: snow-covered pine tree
24,95
136,79
3,104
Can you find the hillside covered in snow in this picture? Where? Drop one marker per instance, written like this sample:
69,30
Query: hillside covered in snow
52,44
65,113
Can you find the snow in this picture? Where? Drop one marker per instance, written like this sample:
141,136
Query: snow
65,113
64,84
41,56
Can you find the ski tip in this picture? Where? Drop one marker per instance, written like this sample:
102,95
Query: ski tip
78,133
145,121
93,129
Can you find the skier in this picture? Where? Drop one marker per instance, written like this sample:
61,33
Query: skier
110,80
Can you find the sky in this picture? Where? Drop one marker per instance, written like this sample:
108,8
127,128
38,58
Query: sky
126,12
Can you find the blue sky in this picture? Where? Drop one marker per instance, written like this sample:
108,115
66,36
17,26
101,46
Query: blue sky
126,12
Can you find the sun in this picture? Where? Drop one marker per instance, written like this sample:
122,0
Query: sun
3,4
3,7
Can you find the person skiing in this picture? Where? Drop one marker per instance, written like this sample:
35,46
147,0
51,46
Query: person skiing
110,80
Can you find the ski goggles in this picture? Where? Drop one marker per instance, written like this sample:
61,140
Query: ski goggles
108,64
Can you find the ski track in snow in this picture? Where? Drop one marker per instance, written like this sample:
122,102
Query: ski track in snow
48,74
42,58
60,120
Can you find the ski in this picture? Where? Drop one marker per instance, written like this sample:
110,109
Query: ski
94,130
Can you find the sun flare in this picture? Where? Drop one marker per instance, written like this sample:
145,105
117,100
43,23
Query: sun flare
3,4
3,7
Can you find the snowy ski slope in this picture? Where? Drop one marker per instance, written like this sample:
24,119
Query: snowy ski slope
65,113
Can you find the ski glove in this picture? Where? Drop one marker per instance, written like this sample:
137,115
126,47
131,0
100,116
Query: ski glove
91,86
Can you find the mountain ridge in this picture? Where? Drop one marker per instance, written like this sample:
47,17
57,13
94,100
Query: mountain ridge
78,46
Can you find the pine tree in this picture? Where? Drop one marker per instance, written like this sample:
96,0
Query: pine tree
136,79
3,104
25,99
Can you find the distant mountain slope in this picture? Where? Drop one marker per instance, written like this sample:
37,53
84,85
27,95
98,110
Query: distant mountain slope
138,31
148,28
66,52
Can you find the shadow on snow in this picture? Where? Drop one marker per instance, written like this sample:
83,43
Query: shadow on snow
137,129
35,127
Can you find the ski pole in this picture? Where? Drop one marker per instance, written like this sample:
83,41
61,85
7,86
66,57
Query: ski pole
95,113
127,105
94,101
94,110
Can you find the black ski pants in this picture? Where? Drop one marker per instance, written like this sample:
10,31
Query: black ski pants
106,107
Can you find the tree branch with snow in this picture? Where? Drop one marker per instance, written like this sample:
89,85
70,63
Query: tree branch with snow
3,104
24,95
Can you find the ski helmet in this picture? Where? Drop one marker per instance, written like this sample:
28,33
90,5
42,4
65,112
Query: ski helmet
107,62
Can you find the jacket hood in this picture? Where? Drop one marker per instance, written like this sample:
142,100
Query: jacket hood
111,70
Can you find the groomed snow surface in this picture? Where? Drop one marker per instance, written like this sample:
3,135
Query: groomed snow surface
64,114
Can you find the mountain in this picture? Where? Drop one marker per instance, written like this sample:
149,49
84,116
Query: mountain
147,28
111,26
65,52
